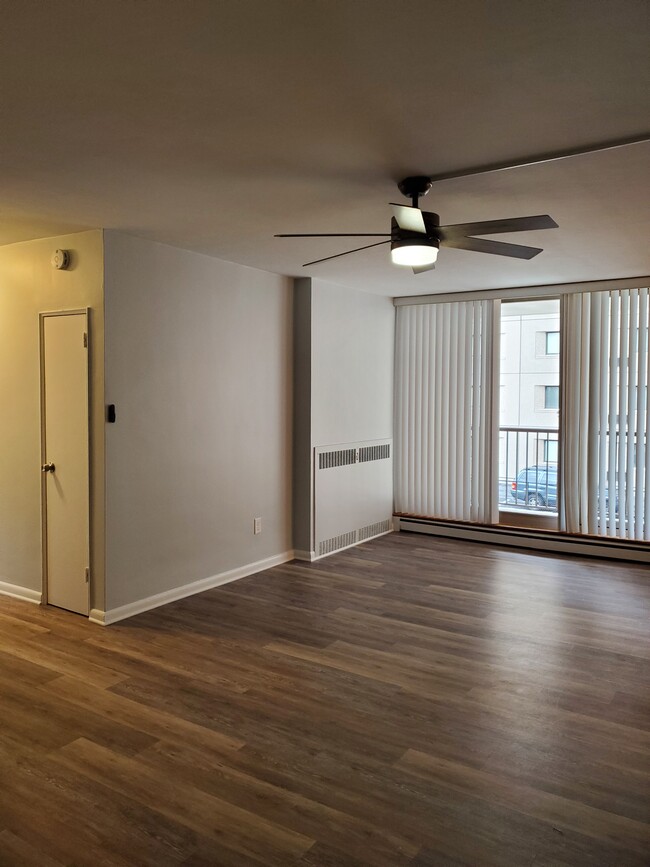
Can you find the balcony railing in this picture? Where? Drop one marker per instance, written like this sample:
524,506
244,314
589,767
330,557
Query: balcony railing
528,477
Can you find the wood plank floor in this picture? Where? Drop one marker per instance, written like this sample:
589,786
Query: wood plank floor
413,701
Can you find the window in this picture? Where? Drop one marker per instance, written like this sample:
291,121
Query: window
550,451
552,342
460,456
551,397
606,444
445,432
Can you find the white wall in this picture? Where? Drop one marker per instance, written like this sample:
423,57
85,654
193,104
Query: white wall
349,349
198,364
30,285
353,337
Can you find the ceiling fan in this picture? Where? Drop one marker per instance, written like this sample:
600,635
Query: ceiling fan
416,236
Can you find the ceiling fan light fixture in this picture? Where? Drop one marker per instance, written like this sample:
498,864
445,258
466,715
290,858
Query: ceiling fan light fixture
414,252
415,236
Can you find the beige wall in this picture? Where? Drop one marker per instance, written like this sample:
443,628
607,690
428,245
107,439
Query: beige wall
30,285
198,364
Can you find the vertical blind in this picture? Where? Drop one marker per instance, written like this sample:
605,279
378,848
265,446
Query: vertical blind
605,453
444,400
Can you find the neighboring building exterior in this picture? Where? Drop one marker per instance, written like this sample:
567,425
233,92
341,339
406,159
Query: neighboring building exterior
530,380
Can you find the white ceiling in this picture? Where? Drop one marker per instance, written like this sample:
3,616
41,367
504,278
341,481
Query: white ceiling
212,125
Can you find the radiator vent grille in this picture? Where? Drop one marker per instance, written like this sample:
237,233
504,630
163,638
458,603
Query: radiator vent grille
337,458
374,529
374,453
336,542
345,457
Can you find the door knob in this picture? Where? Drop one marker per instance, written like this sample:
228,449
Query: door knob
48,468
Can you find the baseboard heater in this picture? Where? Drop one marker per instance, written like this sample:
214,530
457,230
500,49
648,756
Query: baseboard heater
353,494
543,540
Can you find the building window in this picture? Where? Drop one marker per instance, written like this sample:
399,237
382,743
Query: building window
552,342
551,397
550,451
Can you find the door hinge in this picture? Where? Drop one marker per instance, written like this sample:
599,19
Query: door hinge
87,574
86,339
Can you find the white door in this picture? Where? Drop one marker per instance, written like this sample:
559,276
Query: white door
65,471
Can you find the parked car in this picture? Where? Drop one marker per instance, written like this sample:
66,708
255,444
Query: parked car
536,487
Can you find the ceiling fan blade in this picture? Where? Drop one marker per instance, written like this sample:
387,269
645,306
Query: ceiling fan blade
482,245
496,227
347,252
409,218
336,235
419,269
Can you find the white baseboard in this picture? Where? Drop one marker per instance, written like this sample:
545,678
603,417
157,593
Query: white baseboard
537,540
304,555
18,592
113,615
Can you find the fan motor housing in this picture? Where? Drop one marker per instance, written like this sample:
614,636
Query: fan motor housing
431,221
415,186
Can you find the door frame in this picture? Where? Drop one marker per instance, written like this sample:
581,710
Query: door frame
79,311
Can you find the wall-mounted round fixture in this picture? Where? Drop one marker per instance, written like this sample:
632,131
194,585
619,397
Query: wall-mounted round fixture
61,260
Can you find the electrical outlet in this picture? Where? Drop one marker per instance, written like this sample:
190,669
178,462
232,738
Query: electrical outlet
257,525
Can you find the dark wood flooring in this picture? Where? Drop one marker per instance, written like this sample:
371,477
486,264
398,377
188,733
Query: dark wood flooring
414,701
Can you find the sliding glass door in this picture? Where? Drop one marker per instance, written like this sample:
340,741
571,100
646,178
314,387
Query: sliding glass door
529,413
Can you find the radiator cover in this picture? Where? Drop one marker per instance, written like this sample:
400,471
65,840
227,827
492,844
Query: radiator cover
353,494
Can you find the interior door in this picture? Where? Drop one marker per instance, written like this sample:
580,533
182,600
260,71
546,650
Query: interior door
64,453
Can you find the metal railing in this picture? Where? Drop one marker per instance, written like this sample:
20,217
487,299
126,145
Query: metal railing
528,476
528,471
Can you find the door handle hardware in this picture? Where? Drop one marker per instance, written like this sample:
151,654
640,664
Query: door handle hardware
48,468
